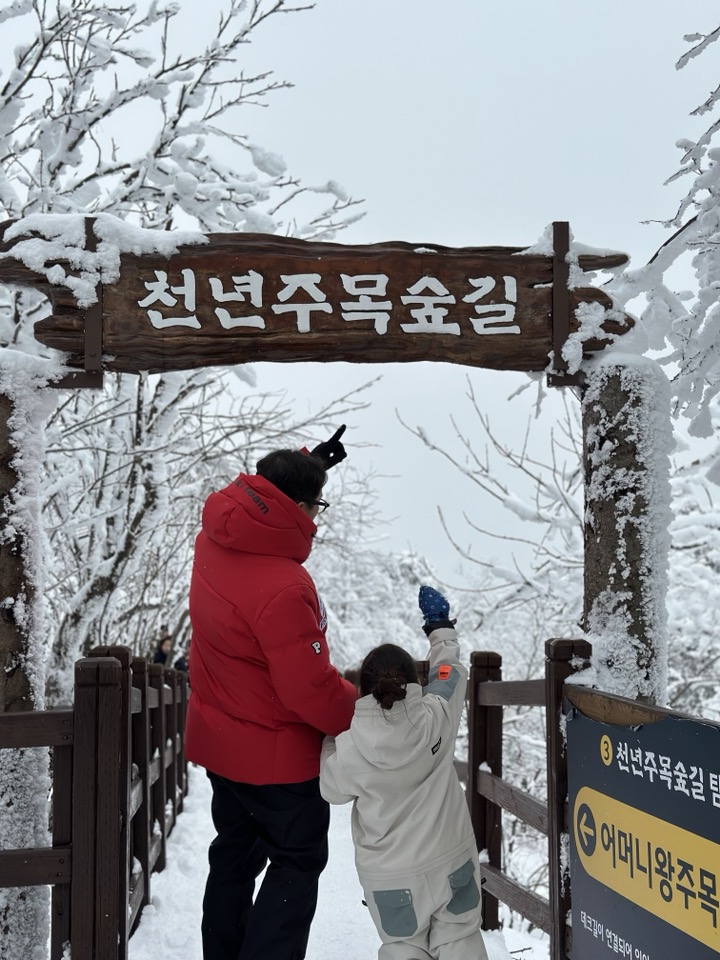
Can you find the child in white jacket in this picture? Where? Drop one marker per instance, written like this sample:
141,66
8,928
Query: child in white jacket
415,850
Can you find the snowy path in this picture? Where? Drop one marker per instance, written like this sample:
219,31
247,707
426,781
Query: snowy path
342,930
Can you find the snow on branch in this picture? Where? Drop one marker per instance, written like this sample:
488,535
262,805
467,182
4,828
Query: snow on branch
683,328
54,244
122,108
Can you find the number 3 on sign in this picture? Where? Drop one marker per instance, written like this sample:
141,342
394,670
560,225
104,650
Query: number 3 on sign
606,750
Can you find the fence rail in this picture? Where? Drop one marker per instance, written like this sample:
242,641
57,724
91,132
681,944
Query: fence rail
120,749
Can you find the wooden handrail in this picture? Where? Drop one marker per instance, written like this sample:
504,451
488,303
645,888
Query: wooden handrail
534,908
41,728
511,693
36,867
514,800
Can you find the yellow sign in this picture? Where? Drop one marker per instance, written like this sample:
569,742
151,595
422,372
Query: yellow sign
668,871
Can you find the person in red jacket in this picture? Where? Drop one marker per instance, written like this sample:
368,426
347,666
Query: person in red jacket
263,696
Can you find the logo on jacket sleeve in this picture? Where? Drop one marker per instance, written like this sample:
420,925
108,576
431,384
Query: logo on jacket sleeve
323,614
317,647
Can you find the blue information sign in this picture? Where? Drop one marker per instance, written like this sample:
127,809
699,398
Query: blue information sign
644,808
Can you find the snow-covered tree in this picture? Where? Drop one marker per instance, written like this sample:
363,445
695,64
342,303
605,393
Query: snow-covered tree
515,606
519,605
115,108
119,108
124,520
680,331
682,327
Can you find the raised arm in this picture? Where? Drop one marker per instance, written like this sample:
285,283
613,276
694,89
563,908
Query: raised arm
447,677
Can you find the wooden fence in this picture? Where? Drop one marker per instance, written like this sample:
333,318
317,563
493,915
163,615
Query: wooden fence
489,794
119,779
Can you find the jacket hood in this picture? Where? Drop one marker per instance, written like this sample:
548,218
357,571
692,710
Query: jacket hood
376,734
252,515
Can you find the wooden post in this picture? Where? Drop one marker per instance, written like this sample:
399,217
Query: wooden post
485,746
627,437
24,913
142,821
183,714
124,656
15,691
563,657
24,408
180,681
96,784
171,732
62,806
157,739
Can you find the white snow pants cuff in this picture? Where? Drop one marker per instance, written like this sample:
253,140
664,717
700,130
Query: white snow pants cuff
432,916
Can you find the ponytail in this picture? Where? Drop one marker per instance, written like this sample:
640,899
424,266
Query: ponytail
385,673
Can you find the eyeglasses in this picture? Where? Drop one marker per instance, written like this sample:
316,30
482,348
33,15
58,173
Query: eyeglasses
321,504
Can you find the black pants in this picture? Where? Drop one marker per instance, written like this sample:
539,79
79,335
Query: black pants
285,824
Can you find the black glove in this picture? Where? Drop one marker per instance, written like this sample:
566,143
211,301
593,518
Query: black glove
331,451
435,610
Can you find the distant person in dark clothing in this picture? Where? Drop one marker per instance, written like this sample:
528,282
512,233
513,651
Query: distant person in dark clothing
181,663
164,651
164,646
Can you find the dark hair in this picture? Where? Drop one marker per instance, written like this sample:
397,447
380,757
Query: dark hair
298,475
385,673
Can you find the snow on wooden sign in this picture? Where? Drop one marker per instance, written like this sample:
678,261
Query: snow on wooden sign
237,298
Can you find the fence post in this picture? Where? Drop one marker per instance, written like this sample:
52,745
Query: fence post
62,806
563,657
171,732
485,746
185,695
157,741
96,782
124,655
180,711
142,821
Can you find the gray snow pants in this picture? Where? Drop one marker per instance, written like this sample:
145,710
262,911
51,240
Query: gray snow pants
431,916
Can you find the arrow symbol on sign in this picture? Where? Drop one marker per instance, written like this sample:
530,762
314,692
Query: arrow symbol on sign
586,830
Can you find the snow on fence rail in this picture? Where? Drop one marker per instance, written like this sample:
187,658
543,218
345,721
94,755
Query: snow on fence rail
119,779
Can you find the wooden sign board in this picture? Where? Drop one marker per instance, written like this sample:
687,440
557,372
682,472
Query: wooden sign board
250,297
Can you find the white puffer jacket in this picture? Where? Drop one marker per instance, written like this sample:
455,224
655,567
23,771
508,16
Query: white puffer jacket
409,809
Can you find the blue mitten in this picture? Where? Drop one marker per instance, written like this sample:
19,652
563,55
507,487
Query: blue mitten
435,610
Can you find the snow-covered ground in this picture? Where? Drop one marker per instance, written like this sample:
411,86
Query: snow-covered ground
170,925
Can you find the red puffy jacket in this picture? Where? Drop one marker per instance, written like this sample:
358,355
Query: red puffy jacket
263,691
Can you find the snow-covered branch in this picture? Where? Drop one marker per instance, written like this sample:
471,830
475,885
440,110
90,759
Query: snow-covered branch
86,72
684,328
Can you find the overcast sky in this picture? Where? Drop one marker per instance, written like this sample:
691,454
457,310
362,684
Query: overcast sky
470,122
